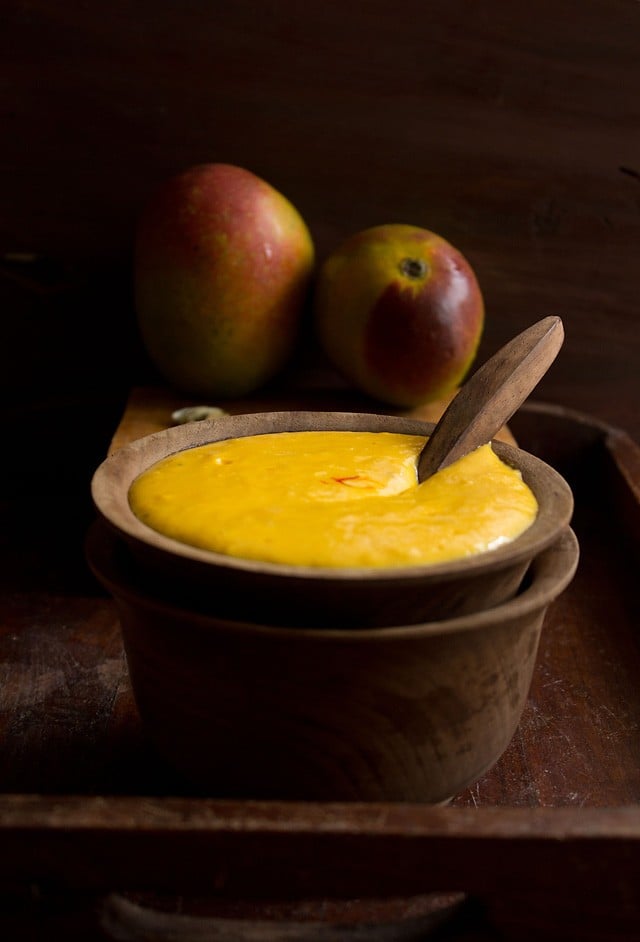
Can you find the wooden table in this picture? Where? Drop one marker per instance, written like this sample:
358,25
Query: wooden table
97,832
512,130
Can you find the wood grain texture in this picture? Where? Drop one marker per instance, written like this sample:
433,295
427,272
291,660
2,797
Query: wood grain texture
491,395
149,409
511,129
412,714
63,667
87,806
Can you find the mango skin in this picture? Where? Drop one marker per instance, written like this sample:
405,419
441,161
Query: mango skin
222,269
405,339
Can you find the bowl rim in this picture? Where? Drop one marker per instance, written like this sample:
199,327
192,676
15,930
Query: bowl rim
552,571
112,479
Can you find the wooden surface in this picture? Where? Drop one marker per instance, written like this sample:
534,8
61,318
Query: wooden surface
511,129
86,807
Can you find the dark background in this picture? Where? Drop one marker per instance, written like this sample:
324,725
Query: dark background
511,129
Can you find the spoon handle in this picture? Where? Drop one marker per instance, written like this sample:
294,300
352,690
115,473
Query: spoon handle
491,395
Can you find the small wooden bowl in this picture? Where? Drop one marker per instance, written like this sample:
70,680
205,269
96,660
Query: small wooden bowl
276,594
405,713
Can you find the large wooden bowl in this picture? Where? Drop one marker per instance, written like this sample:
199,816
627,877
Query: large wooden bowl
404,713
313,596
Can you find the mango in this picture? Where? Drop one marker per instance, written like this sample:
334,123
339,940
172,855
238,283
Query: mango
399,312
222,269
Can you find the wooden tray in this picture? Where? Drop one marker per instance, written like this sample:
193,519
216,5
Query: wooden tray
87,809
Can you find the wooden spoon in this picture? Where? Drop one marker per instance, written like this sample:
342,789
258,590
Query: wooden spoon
491,395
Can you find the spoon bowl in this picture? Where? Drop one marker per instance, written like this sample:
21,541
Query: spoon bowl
490,397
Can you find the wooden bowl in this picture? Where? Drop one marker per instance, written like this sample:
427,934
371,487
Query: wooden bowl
404,713
276,594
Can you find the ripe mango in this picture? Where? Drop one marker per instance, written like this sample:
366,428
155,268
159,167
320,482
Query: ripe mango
399,312
222,268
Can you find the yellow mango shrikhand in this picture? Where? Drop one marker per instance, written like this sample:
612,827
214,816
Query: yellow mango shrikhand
337,499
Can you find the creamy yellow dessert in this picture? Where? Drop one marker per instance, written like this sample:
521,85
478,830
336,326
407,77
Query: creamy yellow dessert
337,499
